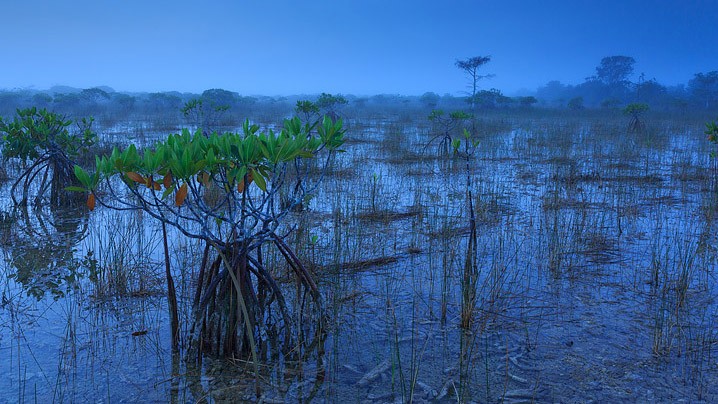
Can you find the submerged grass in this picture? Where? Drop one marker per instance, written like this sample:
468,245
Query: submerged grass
123,260
591,271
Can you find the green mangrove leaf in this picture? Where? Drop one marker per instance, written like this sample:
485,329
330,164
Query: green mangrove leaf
82,176
167,191
259,180
456,143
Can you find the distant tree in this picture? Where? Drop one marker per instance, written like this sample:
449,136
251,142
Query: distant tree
594,91
526,102
489,99
553,92
651,92
703,89
64,90
218,97
307,110
42,100
471,67
430,99
246,101
575,103
10,101
109,90
67,102
329,104
379,99
164,102
610,103
93,100
123,102
204,114
615,70
610,81
361,102
678,103
94,95
453,102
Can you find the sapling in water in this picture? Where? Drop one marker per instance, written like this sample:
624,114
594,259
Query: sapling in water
471,270
636,110
43,142
246,171
446,124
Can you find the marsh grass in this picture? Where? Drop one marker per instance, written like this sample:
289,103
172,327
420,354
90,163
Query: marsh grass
589,189
594,261
122,258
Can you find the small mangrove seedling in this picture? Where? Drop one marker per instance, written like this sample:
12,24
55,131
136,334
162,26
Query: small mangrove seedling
445,126
43,143
712,132
471,268
635,110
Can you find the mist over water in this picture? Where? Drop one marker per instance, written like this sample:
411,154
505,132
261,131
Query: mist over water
359,202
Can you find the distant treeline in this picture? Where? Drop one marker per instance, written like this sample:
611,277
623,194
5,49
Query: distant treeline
613,86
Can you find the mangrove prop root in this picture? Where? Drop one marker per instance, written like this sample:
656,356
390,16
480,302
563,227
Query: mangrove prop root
219,326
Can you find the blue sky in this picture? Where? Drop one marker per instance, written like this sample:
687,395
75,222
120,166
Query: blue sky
362,47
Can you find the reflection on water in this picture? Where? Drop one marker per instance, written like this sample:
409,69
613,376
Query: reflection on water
39,244
596,258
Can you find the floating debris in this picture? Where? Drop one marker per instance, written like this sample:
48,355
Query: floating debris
374,373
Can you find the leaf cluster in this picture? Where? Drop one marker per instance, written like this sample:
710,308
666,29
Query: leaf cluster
306,108
470,65
635,109
712,131
329,102
449,121
231,160
469,144
35,133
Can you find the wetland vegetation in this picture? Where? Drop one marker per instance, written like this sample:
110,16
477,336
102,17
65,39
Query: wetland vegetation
379,249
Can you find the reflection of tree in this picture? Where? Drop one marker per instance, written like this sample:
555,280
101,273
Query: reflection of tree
40,245
43,143
299,371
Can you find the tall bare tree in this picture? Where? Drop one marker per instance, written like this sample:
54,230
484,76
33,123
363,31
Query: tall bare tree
471,67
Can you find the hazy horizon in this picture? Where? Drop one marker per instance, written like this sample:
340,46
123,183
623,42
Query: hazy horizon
360,48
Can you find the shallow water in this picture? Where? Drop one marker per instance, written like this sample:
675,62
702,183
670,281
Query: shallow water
597,263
